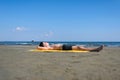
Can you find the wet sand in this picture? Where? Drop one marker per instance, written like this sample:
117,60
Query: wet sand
18,63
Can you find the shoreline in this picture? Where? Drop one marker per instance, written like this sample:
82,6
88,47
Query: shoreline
86,44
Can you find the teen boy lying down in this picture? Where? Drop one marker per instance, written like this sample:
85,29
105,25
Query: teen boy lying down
47,46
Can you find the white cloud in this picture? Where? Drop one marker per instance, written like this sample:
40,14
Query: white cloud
19,29
47,34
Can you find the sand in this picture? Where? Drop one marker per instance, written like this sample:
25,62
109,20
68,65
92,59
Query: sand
18,63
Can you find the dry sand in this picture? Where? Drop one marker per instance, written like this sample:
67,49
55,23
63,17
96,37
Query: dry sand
18,63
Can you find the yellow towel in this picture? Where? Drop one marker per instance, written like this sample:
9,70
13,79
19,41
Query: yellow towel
74,51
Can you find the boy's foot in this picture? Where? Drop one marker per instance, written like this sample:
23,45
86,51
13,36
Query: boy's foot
97,49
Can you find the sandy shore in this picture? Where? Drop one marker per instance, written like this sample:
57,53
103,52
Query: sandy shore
18,63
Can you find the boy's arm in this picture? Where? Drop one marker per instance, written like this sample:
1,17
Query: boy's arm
44,48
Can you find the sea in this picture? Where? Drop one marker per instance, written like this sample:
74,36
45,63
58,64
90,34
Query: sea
88,44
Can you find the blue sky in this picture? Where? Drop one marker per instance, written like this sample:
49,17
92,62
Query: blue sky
60,20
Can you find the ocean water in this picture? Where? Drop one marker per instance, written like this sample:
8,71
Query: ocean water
107,44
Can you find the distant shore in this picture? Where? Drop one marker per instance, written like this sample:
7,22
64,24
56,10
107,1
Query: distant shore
18,63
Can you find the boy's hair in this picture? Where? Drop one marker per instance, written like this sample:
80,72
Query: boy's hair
41,44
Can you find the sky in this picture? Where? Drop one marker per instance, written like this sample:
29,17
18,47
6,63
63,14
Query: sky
60,20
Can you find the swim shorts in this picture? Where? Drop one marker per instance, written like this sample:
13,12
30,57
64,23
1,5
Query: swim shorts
67,47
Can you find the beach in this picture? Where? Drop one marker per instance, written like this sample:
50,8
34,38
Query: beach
19,63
